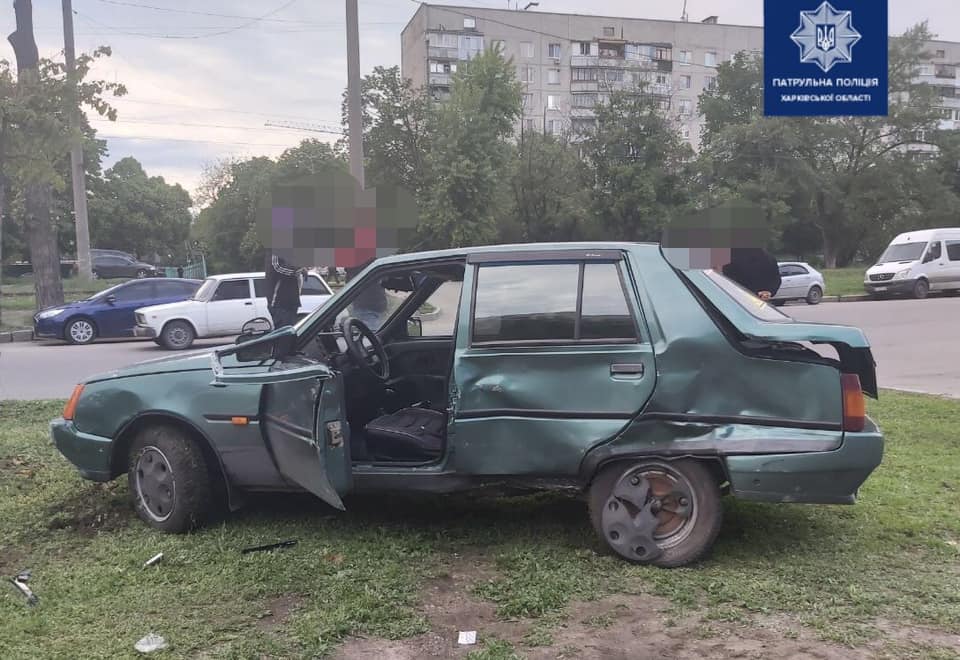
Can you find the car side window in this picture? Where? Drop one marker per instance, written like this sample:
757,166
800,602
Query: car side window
533,302
312,286
260,287
550,303
604,310
172,289
135,291
233,290
934,252
953,250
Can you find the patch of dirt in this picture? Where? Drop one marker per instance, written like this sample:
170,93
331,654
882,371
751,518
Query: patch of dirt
278,610
618,627
98,508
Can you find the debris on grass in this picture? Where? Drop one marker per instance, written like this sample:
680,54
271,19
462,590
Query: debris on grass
153,560
20,582
151,643
467,637
269,546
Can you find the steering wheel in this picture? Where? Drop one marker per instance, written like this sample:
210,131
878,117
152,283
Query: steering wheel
365,348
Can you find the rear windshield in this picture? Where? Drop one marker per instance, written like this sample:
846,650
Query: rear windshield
749,302
902,252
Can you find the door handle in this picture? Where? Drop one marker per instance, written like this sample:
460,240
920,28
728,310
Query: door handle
248,303
627,369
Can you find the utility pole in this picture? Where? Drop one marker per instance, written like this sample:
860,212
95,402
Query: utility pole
77,175
354,110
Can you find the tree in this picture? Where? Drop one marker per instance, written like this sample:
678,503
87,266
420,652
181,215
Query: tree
846,177
38,138
464,197
398,122
641,167
551,192
140,214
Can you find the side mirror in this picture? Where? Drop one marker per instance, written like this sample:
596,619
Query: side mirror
928,257
111,299
414,327
254,328
257,352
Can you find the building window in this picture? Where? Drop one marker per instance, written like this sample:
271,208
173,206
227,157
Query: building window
581,75
941,54
611,75
553,102
662,79
444,40
710,58
527,74
526,49
685,82
584,100
584,47
554,127
612,32
553,50
925,70
663,54
529,125
443,67
611,51
685,107
527,101
709,82
553,76
469,23
498,45
685,57
685,132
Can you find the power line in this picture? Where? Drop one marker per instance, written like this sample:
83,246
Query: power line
137,5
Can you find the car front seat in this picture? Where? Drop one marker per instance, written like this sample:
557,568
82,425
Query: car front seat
410,434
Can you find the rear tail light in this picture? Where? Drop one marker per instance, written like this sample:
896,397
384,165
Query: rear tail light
854,403
71,406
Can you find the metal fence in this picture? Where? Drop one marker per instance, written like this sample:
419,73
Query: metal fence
196,270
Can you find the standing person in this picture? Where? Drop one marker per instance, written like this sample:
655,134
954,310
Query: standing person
754,269
283,290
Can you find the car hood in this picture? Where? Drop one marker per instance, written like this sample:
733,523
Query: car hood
891,267
168,308
181,362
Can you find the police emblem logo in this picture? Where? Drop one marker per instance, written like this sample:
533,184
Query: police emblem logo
826,36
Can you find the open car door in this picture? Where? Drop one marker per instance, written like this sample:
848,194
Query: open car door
302,416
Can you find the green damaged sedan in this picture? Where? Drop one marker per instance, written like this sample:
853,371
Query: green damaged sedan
597,368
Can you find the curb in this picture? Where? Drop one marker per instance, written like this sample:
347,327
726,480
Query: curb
16,335
430,315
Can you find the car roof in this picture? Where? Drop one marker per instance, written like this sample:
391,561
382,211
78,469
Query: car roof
233,276
923,235
161,279
794,263
513,247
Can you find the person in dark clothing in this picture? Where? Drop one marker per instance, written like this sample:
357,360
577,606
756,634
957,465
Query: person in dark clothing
179,271
283,290
754,269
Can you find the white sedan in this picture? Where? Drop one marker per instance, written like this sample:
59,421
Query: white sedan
799,281
219,308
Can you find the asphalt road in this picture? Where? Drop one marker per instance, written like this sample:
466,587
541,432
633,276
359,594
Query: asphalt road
915,344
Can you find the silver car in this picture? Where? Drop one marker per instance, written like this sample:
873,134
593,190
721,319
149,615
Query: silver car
799,281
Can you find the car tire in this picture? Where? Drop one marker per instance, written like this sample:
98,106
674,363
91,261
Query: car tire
177,336
169,480
680,539
814,295
141,274
80,331
921,289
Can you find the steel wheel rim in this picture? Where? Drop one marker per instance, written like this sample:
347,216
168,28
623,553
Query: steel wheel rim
177,335
155,484
81,331
815,294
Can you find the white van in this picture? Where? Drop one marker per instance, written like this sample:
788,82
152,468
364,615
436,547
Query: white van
916,263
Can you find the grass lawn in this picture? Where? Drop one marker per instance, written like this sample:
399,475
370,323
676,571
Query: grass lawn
844,281
882,576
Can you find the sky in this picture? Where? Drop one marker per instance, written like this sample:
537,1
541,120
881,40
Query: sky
204,77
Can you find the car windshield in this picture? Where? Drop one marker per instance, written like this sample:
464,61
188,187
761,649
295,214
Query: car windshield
205,290
106,292
902,252
749,302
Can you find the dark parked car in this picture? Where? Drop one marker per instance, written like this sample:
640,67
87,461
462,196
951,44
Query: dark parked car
110,312
596,368
109,266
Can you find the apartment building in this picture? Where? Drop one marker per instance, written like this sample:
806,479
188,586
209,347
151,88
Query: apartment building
567,63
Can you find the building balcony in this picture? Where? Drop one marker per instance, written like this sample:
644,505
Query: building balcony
438,53
584,86
441,79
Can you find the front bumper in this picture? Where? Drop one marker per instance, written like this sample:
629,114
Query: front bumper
890,286
829,477
90,454
144,331
48,328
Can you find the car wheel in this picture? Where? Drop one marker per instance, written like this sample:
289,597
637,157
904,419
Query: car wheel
920,289
169,480
814,295
141,274
80,331
95,275
665,513
177,335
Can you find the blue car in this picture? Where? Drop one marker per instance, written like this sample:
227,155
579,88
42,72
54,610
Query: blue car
110,312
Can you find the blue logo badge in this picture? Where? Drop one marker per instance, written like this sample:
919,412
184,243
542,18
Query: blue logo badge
825,58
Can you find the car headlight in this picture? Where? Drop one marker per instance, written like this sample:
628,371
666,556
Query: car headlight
50,313
902,274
